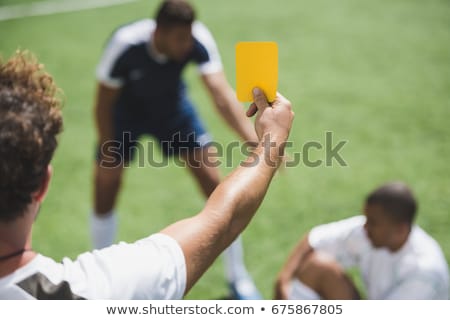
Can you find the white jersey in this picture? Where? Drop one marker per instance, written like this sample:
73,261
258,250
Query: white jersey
417,271
152,268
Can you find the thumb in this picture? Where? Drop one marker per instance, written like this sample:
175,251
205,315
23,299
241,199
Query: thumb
260,99
252,110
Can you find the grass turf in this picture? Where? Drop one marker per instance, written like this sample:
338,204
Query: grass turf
376,74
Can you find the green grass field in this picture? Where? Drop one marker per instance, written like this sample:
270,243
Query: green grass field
375,73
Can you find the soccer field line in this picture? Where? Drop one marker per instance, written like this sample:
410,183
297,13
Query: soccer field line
54,7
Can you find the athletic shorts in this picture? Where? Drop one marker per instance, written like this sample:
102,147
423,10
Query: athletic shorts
184,131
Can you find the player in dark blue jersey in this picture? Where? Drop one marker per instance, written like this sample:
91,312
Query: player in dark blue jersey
140,91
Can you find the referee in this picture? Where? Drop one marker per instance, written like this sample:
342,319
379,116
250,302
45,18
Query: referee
162,266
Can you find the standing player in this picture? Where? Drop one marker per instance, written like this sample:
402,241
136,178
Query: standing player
140,91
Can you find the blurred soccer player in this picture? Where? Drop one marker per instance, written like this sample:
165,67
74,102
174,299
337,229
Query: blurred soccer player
140,91
163,266
397,259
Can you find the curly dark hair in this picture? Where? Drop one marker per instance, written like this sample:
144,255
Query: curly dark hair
174,13
30,120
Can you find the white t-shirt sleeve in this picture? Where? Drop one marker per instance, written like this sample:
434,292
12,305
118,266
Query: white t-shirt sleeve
341,239
153,268
106,71
213,64
113,69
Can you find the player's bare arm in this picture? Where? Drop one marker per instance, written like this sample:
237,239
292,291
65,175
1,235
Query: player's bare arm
234,202
228,106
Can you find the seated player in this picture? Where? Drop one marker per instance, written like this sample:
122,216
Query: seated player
397,259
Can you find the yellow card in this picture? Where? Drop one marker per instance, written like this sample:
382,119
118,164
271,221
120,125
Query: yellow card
256,66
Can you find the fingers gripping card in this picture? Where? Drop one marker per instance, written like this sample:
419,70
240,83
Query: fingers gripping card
256,66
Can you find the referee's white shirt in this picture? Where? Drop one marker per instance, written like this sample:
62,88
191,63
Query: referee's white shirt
152,268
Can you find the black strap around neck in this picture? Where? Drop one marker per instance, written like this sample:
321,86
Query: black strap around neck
14,254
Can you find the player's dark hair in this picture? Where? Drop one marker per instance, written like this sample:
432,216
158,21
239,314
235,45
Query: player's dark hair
174,13
30,120
397,200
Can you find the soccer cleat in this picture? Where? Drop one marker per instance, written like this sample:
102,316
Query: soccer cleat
244,289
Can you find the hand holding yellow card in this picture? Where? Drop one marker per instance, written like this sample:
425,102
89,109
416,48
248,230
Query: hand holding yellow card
256,66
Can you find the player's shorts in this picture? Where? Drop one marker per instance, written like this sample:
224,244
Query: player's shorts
300,291
182,132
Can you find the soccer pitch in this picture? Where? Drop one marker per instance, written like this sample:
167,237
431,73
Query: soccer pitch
375,74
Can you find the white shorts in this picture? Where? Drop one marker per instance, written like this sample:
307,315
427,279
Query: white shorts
300,291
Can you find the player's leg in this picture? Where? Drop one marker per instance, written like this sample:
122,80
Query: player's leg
322,277
198,160
108,172
103,222
206,176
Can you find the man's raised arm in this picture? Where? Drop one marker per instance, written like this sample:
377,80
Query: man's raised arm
234,202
